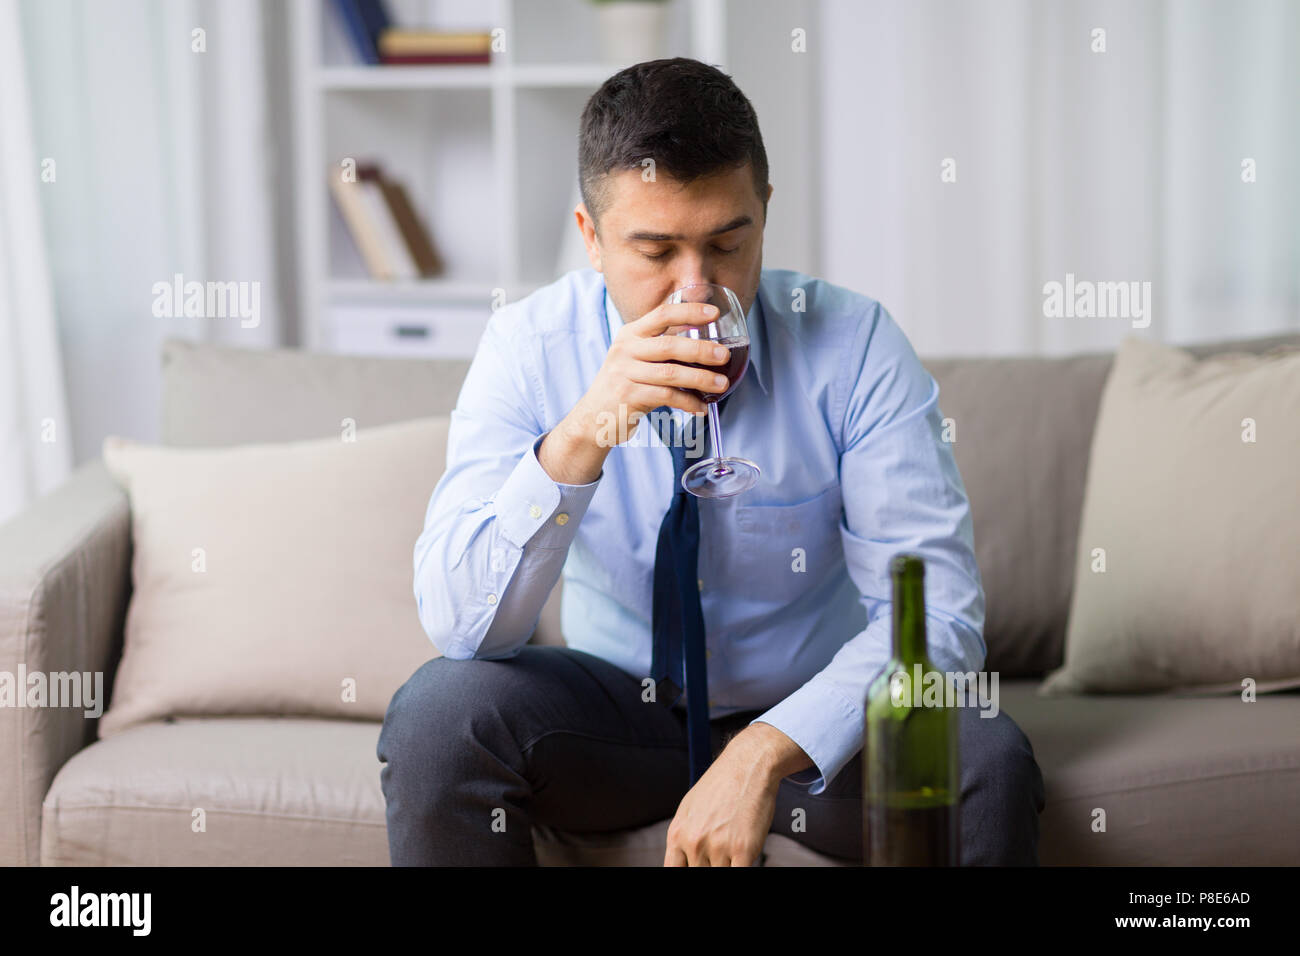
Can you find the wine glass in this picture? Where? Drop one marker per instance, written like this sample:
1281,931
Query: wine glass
719,476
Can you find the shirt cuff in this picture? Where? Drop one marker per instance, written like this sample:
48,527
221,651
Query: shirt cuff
533,508
827,727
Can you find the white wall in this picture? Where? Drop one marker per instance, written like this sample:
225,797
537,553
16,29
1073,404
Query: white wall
782,84
1115,166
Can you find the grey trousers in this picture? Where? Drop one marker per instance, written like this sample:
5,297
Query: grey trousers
475,752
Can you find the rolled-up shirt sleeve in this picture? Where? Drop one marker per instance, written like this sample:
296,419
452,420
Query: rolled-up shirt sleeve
498,527
902,492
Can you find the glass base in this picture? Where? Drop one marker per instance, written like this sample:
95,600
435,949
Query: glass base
720,477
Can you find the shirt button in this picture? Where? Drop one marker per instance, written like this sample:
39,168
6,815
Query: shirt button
534,511
492,599
562,518
712,702
708,654
699,582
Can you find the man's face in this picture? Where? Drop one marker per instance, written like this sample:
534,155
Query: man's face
658,236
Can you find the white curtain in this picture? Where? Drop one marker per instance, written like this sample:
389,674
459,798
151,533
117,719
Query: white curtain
35,443
1123,165
160,116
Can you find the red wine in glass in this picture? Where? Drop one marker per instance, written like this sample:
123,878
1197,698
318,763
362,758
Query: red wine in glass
737,362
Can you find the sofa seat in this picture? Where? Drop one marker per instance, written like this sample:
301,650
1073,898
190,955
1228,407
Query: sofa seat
275,791
1184,780
1221,776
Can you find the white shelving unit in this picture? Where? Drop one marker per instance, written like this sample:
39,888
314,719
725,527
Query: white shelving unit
488,155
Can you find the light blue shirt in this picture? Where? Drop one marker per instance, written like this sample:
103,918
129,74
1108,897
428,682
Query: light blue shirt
844,421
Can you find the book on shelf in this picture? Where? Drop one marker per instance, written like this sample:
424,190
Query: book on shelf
384,226
401,264
397,42
415,238
377,41
435,58
363,20
349,197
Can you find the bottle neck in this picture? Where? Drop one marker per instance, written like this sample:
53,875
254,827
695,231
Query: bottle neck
909,617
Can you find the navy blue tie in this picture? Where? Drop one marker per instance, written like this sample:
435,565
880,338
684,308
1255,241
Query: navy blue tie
678,655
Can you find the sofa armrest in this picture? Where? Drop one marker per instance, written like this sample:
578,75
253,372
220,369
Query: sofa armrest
65,579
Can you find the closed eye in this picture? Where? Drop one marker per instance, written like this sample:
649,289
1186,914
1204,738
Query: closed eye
717,249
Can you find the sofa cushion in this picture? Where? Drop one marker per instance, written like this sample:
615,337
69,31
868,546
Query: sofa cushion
216,395
273,791
1188,558
273,578
1024,430
1183,780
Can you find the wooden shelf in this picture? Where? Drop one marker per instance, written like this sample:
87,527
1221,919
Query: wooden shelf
411,290
484,76
359,78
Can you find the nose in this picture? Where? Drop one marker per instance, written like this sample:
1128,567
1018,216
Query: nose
692,271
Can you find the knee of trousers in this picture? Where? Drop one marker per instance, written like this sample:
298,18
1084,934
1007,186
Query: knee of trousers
442,712
1000,757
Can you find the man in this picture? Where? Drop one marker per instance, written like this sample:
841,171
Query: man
552,463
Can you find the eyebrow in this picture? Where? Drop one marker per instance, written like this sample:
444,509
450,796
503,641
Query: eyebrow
665,237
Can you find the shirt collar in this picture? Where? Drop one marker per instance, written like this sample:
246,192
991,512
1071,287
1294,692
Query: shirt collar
753,321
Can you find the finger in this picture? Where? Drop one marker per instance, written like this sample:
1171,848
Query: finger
657,320
674,856
678,376
699,858
679,348
653,396
744,859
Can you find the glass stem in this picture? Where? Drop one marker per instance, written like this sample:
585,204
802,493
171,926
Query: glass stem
716,430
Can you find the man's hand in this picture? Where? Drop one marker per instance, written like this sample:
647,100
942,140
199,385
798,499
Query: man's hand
724,819
642,370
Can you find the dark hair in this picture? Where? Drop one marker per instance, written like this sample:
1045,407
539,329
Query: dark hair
687,116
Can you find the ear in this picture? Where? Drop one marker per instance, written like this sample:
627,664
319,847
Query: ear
587,226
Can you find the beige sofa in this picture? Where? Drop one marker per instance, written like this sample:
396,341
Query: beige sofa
1182,780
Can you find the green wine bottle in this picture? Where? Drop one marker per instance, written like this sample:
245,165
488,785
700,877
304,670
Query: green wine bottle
911,775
